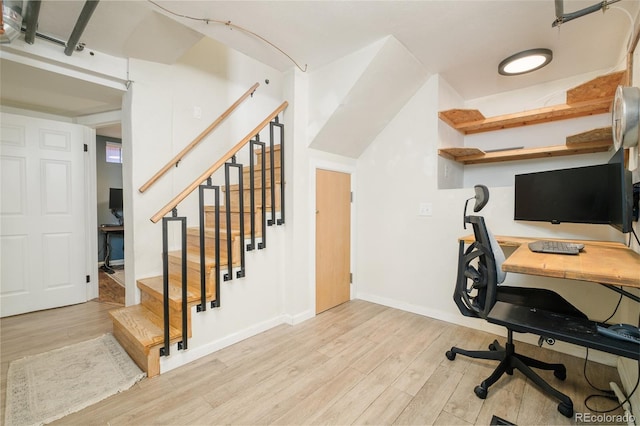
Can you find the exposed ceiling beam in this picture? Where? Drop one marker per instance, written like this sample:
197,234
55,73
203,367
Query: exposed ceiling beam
562,17
31,20
81,24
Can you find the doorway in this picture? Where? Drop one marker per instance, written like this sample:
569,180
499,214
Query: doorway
333,239
109,184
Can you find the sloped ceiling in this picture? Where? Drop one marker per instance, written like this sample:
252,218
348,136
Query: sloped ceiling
387,82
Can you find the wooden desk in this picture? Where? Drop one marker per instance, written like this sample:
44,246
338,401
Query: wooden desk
107,230
604,262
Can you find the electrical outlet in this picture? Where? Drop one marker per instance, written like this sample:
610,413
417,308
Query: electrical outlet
425,209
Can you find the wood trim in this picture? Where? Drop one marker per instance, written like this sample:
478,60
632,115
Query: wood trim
476,156
189,189
1,19
198,138
592,97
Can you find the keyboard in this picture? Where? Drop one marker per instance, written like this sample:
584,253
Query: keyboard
621,331
555,247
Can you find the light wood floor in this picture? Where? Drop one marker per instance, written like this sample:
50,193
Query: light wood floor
359,363
109,290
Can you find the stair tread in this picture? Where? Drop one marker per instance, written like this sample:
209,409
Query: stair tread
143,325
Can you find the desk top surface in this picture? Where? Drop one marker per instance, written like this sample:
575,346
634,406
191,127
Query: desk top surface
111,228
601,261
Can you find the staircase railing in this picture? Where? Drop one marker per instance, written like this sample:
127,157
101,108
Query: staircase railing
175,160
211,170
204,182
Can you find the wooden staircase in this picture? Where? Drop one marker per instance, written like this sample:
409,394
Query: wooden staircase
140,328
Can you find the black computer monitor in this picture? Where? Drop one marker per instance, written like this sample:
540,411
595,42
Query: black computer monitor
621,204
115,198
599,194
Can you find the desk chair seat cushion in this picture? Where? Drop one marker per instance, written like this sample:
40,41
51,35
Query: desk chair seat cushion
538,298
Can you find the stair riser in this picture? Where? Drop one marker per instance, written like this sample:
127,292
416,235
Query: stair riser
193,243
235,203
267,159
156,306
193,275
210,218
147,359
258,176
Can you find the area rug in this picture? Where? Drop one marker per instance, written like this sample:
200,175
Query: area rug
45,387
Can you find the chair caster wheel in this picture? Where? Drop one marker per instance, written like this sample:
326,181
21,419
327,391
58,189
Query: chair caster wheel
450,355
565,409
560,373
492,347
481,392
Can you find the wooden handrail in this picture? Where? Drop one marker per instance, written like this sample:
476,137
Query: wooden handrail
189,189
198,138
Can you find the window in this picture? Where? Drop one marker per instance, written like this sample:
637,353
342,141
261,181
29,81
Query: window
114,152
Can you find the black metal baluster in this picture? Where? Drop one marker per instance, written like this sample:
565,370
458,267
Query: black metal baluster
216,303
273,124
262,145
252,198
263,194
227,202
203,276
227,166
164,351
185,333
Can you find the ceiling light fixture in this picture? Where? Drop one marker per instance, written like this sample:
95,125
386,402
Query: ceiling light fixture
526,61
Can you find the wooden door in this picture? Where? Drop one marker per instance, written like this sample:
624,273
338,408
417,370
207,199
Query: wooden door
333,239
42,223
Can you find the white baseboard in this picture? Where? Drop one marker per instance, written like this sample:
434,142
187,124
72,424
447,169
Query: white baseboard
628,372
298,318
180,358
116,262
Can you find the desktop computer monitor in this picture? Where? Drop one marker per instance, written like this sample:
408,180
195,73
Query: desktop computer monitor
115,203
599,194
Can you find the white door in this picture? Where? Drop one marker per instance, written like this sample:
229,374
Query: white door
42,223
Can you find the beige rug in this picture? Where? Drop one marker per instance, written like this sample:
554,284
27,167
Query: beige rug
48,386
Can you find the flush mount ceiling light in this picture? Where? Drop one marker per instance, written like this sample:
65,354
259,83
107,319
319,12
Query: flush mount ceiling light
524,62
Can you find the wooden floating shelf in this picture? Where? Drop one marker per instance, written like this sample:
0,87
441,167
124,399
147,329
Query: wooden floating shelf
597,140
590,98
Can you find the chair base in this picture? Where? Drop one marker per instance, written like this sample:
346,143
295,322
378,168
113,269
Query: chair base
510,360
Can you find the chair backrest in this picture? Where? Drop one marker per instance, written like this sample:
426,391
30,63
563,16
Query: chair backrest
479,271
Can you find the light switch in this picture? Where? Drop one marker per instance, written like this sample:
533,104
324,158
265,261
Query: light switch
425,209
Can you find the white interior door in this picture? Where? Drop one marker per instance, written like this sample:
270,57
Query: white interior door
42,221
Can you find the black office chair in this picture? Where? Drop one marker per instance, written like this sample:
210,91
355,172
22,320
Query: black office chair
477,290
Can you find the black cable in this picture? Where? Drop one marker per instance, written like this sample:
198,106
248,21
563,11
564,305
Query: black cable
584,372
620,404
608,392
